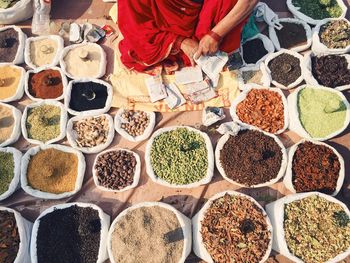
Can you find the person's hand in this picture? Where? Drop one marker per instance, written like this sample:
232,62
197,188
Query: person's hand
189,47
207,46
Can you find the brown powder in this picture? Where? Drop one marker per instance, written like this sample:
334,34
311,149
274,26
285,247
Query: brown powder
7,123
148,234
9,81
53,171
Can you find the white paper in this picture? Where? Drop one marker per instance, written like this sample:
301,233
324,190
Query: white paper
156,88
188,75
175,98
213,65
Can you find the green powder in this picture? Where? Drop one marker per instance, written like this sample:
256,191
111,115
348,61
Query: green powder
43,123
179,156
7,165
321,112
319,9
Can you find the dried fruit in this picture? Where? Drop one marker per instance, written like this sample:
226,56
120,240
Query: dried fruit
335,34
135,122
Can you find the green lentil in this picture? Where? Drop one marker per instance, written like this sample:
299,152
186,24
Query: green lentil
319,9
312,230
317,114
7,166
43,123
179,156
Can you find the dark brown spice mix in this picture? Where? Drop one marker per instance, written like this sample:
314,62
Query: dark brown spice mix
315,168
291,35
253,51
285,69
234,229
8,45
9,237
251,158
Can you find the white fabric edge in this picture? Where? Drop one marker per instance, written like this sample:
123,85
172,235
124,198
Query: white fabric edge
21,11
60,45
184,221
198,245
136,176
265,79
318,47
242,97
14,185
275,210
45,195
63,121
108,105
118,120
295,124
103,62
16,132
105,222
211,162
37,70
294,54
287,181
20,88
308,31
19,58
220,145
24,230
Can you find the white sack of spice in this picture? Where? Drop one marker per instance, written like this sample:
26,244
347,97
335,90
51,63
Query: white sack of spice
221,143
276,212
21,11
125,118
14,185
301,64
308,31
19,59
287,180
250,75
94,134
309,77
44,49
44,195
270,48
198,244
24,231
16,133
184,221
105,223
320,48
20,89
63,121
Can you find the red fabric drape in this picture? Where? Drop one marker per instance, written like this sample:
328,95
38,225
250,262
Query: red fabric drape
150,28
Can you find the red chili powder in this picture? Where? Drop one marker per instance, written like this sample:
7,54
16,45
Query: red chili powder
46,84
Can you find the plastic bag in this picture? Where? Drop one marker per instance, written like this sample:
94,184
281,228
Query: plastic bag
267,44
16,132
20,89
21,11
265,78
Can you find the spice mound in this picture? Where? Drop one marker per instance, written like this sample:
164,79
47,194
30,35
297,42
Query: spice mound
285,69
135,122
4,4
315,168
251,158
291,35
10,78
43,51
116,169
69,235
91,131
9,237
53,171
88,96
319,9
179,156
315,229
148,234
7,123
43,123
321,112
7,166
234,229
9,42
252,76
46,84
262,108
253,51
335,34
83,61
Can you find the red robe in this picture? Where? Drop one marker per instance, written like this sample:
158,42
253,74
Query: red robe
151,27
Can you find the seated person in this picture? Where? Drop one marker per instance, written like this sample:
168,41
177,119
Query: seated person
170,32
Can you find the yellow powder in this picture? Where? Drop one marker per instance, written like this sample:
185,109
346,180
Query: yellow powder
9,81
83,67
7,123
43,52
